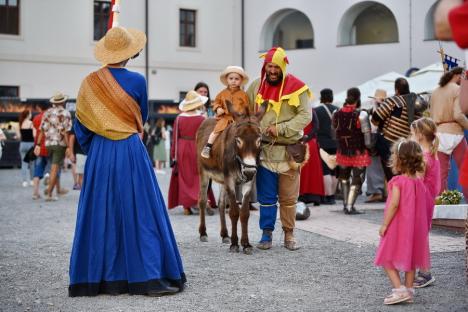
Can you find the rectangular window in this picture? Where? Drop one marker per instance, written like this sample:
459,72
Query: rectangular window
9,17
102,12
187,28
9,91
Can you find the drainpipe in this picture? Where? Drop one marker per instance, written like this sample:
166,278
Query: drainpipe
410,34
242,34
147,47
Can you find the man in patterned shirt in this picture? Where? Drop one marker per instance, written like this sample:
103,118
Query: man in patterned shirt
55,125
394,117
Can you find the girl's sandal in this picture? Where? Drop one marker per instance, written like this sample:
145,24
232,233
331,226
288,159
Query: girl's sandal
398,295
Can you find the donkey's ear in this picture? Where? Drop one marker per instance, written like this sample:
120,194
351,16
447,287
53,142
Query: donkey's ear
231,110
262,110
247,110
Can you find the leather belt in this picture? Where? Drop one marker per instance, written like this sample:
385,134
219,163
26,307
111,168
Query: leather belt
189,138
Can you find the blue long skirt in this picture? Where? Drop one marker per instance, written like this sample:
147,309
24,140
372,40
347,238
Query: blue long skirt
123,238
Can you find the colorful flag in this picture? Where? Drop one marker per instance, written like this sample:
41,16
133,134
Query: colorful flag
450,62
111,15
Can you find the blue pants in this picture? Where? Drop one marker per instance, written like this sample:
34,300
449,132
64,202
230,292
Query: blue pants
267,195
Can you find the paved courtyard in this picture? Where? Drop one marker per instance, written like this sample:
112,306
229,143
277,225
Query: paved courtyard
333,271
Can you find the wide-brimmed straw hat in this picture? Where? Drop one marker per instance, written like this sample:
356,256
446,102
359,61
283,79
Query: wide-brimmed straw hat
119,44
379,94
192,101
233,69
58,98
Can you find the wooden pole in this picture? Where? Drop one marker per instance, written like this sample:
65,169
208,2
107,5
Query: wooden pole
116,13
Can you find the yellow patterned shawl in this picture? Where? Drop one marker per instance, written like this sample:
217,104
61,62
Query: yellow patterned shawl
105,108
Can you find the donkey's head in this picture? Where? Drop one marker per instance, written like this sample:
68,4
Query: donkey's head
247,141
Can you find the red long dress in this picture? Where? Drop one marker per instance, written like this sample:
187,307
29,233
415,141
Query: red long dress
312,174
185,184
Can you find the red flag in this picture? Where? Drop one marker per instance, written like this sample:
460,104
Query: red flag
111,15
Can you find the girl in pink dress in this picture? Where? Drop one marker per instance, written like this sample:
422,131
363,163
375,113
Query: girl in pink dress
424,131
404,244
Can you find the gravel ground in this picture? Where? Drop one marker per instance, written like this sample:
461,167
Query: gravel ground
325,275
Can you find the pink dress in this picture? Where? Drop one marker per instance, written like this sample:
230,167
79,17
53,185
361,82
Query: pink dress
405,245
432,181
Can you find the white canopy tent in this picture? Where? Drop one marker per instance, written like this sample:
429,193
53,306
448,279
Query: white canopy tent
424,80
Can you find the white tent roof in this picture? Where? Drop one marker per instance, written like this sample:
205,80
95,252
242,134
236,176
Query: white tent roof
385,82
424,80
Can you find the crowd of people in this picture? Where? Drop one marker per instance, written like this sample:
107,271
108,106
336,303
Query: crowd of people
124,241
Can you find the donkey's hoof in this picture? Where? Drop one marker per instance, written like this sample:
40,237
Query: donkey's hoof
204,238
234,248
226,240
248,250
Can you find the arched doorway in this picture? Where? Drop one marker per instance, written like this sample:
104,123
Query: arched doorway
429,32
288,28
367,22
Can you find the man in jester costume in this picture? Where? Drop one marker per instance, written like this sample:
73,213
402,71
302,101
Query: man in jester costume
287,114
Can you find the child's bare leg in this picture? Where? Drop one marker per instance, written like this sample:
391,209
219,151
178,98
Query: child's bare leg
207,149
394,277
212,138
409,278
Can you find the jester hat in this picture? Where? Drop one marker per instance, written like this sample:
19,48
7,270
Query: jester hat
290,87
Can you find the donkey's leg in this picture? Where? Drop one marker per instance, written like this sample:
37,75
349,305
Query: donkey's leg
233,214
244,217
222,216
203,197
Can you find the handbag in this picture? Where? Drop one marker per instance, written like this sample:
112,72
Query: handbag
30,156
297,152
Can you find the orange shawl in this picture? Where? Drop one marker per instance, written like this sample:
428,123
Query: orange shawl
105,108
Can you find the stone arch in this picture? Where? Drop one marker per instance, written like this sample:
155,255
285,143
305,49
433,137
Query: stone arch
367,22
429,32
288,28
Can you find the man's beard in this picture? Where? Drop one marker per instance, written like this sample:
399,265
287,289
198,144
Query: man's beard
274,82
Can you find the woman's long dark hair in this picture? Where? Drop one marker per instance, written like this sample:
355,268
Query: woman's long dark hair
23,116
353,95
201,84
449,75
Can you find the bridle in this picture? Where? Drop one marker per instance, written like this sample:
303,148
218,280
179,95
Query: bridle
242,164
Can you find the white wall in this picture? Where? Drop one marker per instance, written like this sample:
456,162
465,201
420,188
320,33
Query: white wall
55,48
339,68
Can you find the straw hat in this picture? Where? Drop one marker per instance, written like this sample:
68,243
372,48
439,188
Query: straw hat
192,101
58,98
379,94
119,44
233,69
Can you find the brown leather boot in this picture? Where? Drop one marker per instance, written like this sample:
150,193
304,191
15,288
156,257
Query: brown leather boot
289,240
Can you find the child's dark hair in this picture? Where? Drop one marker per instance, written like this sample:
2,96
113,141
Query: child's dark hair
427,128
353,96
407,157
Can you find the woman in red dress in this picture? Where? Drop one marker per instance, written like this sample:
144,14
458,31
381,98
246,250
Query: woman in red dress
311,187
185,184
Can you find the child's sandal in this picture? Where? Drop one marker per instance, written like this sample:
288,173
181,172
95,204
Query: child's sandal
398,295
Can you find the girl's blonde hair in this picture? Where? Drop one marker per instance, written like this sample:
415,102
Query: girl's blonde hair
407,157
428,129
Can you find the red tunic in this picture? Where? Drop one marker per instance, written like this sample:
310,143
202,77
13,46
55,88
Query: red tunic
311,173
185,184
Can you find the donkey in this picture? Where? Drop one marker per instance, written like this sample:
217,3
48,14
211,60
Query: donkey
234,160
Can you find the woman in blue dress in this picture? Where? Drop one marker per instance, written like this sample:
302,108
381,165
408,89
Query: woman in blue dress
123,241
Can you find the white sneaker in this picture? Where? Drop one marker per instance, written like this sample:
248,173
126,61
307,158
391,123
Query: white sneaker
25,184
